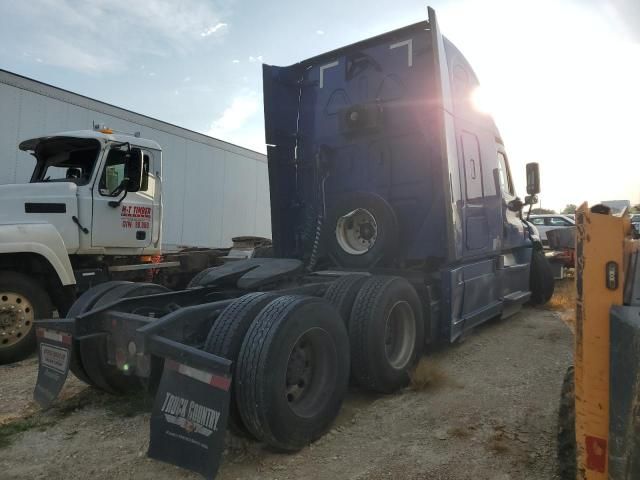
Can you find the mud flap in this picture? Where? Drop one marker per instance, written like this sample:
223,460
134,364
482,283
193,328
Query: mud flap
54,353
189,418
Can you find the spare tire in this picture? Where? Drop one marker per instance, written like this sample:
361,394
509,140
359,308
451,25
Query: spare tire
361,231
386,331
541,280
293,371
225,340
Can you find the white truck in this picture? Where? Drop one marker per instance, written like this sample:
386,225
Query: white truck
92,212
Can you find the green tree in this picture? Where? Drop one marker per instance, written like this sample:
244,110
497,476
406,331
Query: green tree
542,211
570,208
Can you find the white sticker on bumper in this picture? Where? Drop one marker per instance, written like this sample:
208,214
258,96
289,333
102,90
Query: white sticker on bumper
55,358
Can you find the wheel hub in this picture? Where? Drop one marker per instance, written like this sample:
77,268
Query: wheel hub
299,371
357,231
366,231
16,318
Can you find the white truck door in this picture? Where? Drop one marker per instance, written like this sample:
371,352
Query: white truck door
130,224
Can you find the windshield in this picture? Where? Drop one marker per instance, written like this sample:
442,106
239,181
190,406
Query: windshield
65,160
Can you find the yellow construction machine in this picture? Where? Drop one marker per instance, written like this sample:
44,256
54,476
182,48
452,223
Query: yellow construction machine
599,418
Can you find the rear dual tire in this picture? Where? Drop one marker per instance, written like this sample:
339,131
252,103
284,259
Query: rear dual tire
83,304
386,332
386,329
292,373
90,364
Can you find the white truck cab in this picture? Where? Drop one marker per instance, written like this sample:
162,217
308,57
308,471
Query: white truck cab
93,203
77,187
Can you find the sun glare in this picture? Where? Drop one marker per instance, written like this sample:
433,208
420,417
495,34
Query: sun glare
567,98
481,100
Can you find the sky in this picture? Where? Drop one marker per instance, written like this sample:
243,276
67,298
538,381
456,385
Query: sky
560,77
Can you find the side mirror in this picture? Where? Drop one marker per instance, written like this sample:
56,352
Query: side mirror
134,169
533,178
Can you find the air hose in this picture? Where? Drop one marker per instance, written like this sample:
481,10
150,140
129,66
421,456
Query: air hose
313,258
315,250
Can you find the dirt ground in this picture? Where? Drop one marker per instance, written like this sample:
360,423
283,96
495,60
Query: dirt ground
484,409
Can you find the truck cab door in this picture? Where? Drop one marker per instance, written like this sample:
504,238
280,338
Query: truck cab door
474,210
129,224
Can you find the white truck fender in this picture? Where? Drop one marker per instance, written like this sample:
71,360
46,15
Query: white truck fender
42,239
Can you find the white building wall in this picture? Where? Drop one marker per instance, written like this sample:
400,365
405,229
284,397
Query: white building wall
212,190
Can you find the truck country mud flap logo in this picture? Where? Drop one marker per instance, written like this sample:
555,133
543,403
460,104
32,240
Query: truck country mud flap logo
189,415
189,418
54,353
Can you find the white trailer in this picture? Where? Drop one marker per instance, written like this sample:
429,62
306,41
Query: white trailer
212,190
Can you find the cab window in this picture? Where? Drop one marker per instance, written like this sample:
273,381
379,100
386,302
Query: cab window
504,176
115,171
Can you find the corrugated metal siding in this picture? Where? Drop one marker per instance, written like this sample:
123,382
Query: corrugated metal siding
212,190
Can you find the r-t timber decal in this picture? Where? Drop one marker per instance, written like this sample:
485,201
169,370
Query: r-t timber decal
133,216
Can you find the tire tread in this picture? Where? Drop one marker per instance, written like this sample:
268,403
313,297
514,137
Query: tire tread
250,363
358,328
542,282
342,294
225,339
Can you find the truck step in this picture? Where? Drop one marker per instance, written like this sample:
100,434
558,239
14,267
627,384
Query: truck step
516,297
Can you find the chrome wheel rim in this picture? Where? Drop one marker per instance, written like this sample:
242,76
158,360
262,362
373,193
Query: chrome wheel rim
16,318
400,335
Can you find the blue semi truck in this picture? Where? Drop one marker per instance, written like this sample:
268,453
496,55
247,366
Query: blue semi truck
395,226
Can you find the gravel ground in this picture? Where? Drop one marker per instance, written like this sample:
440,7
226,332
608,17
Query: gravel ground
487,411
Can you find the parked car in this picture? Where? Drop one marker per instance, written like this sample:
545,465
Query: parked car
635,221
547,222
